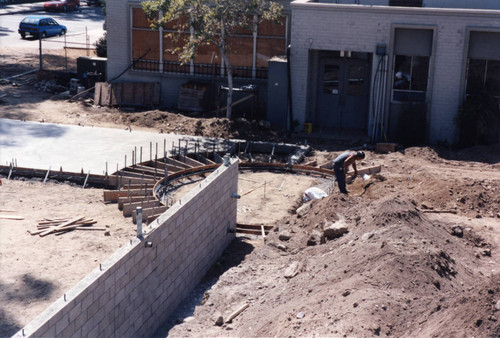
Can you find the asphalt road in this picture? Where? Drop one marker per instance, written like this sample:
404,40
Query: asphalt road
84,28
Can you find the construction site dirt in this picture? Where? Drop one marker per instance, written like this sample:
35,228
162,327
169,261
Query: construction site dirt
419,253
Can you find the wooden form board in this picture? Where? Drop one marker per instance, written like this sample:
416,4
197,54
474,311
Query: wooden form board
129,208
113,195
170,167
123,178
149,212
177,163
127,93
368,171
127,200
189,161
203,159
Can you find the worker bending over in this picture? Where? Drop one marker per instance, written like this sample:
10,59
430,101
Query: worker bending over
342,163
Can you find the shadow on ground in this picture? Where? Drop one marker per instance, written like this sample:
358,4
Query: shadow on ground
26,290
234,254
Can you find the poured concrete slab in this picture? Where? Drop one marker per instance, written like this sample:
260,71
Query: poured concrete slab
46,145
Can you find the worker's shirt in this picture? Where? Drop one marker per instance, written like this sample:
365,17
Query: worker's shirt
339,160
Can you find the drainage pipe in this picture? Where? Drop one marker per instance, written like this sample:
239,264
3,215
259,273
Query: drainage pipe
289,74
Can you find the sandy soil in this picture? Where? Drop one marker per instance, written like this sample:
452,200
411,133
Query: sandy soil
420,256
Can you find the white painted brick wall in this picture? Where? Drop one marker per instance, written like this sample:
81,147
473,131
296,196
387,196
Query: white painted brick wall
139,287
359,28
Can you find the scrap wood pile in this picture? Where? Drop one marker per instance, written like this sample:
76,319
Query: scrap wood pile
61,225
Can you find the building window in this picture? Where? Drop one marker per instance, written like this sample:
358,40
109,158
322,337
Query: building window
406,3
145,43
410,78
483,76
269,41
411,59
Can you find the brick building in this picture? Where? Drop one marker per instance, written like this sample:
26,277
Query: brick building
391,70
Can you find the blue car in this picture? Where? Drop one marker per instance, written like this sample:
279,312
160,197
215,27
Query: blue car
40,27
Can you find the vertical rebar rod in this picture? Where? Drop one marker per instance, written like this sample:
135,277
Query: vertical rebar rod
156,165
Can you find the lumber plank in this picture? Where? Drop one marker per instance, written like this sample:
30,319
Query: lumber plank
140,169
254,226
148,212
152,218
140,178
248,231
180,164
204,159
189,161
12,217
130,207
236,313
92,228
433,211
133,199
48,231
286,167
113,195
367,171
125,187
76,225
80,223
161,166
193,170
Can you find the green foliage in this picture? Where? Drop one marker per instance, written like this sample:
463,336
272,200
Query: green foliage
211,20
478,120
101,47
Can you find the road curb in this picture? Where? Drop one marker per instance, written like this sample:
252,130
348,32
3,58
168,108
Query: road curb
39,8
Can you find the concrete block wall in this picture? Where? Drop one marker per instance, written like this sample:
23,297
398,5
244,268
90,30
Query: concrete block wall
134,291
324,26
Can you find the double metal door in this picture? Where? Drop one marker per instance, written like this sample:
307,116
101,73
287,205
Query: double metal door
343,92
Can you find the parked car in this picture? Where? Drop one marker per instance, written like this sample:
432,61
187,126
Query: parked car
94,3
61,5
40,26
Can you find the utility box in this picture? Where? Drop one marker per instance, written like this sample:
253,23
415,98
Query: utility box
91,70
277,92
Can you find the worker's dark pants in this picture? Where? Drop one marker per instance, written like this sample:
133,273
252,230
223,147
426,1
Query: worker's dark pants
340,174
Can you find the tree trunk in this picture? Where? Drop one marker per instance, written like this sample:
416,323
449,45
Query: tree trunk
229,84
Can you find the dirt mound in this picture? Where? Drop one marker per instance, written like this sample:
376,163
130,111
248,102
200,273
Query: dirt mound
183,123
425,153
393,272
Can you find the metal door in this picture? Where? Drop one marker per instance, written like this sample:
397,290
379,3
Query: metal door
343,93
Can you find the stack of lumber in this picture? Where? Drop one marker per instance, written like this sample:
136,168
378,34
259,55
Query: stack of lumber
60,225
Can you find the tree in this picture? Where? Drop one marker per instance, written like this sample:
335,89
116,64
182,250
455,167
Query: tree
101,46
211,22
